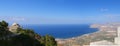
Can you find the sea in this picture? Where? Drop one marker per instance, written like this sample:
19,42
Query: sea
62,30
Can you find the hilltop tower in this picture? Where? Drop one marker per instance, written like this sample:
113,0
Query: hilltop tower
14,27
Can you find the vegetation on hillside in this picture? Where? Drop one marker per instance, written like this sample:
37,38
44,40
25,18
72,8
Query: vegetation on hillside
4,29
24,37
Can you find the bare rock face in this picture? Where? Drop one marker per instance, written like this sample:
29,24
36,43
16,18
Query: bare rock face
14,27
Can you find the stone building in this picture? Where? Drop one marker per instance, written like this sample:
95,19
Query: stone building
14,27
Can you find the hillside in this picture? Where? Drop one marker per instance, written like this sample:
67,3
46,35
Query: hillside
23,37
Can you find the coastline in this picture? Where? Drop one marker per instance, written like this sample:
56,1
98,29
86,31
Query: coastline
62,31
91,26
105,32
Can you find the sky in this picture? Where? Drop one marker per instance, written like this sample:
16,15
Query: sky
60,11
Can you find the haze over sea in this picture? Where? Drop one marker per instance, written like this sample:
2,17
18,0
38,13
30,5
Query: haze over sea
62,31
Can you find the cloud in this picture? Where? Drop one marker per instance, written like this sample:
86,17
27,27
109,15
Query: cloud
104,18
112,16
12,19
16,18
63,20
104,9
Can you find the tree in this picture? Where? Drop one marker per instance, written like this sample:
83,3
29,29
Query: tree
4,23
3,28
50,41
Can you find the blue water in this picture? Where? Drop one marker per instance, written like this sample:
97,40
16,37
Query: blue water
62,31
